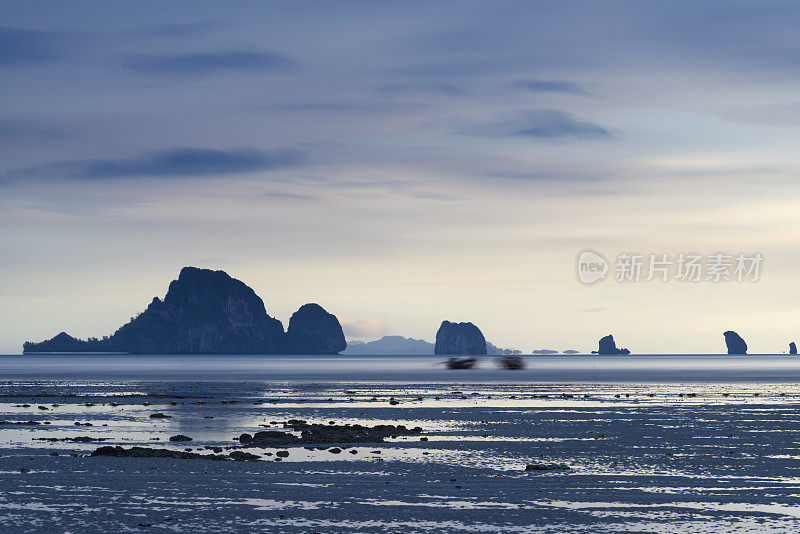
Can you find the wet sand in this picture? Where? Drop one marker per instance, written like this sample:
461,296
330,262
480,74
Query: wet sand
642,456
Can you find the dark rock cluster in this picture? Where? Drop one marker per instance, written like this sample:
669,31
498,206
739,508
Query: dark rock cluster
547,467
77,439
208,312
318,434
242,456
269,438
31,423
145,452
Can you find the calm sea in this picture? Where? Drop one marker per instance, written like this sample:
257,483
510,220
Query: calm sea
640,368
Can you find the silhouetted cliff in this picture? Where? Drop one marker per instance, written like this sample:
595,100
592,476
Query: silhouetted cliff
312,330
459,338
204,312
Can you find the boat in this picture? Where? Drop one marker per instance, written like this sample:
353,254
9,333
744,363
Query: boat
511,362
461,363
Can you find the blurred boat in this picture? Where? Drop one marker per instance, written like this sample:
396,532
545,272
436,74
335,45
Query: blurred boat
511,362
461,363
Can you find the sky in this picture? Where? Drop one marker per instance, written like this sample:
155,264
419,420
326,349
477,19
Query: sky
403,163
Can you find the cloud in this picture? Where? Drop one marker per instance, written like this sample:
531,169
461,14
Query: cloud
79,204
208,63
553,123
289,196
171,162
419,87
541,176
539,124
549,86
769,114
362,107
173,30
317,106
19,130
460,67
21,47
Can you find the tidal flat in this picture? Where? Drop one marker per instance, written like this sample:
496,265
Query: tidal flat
662,454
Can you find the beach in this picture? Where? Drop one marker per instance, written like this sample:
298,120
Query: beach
567,445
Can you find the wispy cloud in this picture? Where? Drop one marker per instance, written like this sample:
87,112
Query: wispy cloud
24,130
397,89
551,123
289,196
201,63
21,47
538,124
540,176
173,30
171,162
79,204
549,86
459,67
317,106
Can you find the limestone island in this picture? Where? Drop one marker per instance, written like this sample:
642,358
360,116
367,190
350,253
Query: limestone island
463,339
734,343
608,346
208,312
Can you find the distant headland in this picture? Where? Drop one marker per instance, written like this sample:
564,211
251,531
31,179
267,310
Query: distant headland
208,312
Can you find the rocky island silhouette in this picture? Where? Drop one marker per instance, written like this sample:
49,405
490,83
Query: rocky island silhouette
459,339
734,343
209,312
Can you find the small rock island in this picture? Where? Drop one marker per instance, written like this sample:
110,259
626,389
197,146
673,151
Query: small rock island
459,339
608,346
312,330
792,348
734,343
209,312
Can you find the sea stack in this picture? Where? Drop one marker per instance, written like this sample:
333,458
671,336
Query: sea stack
608,346
459,339
735,343
312,330
792,348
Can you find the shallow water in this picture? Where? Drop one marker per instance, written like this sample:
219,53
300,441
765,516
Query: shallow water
683,367
673,450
